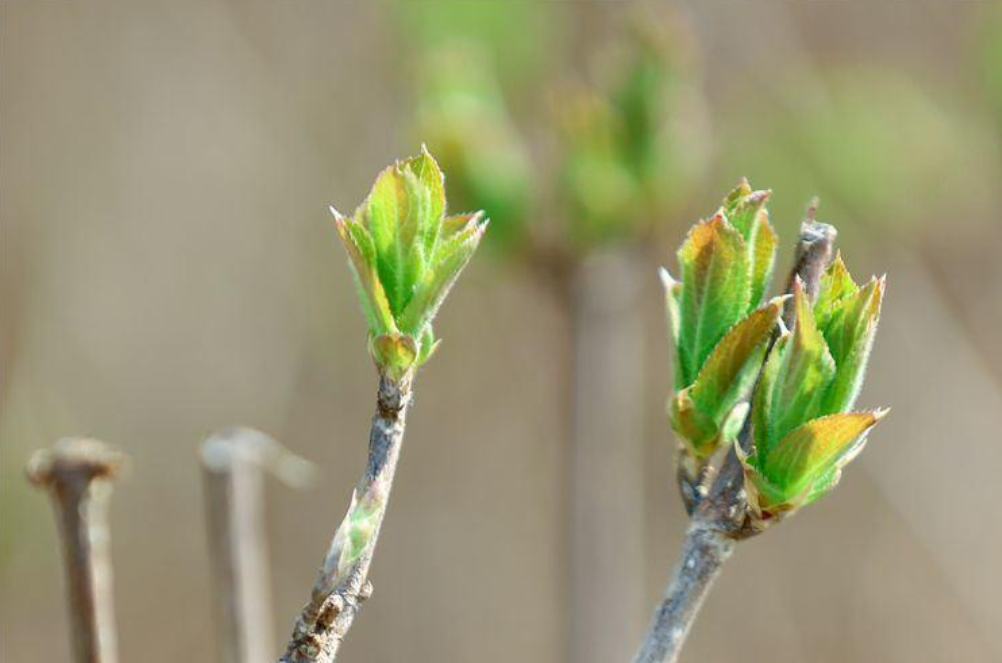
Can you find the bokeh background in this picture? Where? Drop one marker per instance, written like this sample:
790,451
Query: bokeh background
169,267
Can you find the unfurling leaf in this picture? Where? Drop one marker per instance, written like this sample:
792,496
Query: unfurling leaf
802,430
698,412
806,463
719,326
406,254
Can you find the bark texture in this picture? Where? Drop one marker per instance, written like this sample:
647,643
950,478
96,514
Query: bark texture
338,591
703,555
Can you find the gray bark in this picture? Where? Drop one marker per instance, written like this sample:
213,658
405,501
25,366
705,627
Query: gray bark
338,594
703,555
77,474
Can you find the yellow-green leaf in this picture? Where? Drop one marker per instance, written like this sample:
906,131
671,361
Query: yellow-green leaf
732,368
836,285
815,448
806,371
849,333
715,290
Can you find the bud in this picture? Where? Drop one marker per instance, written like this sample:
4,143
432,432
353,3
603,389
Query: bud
719,325
802,429
463,115
355,533
405,254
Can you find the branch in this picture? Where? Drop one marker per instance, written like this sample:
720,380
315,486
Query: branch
814,252
703,555
77,474
342,584
233,460
606,392
720,518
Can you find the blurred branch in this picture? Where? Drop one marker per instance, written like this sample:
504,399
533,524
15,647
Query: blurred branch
720,519
233,460
77,474
607,529
342,584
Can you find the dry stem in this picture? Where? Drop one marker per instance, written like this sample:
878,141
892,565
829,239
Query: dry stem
233,460
77,474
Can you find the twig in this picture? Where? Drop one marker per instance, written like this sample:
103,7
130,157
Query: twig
703,554
342,586
77,474
720,519
233,460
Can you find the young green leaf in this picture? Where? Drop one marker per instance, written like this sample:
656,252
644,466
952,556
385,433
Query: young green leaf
698,413
801,427
715,291
720,336
406,254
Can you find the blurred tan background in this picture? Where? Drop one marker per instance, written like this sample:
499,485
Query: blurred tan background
169,267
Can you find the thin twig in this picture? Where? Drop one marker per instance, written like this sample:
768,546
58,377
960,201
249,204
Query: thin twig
703,555
233,460
341,587
77,474
720,519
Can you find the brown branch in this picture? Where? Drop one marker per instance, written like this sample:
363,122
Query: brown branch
233,460
720,519
341,587
77,474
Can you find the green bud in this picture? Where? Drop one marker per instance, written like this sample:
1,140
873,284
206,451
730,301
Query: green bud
462,114
802,430
358,527
405,254
719,324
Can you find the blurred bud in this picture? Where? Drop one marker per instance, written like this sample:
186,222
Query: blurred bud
719,325
602,195
634,146
462,115
405,255
656,94
803,433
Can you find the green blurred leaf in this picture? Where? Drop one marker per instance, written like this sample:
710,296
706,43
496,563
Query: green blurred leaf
519,35
860,138
463,115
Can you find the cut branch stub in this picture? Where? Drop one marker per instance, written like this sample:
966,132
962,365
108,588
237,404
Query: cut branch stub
77,473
